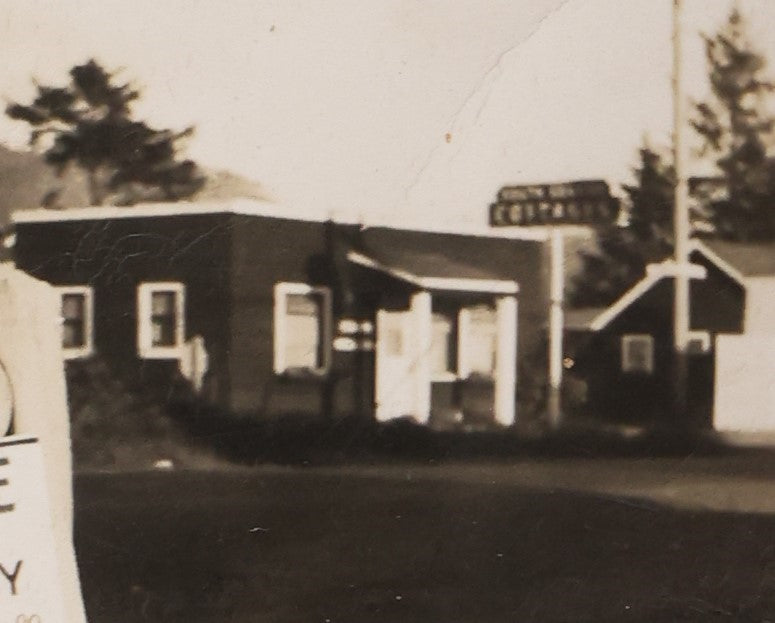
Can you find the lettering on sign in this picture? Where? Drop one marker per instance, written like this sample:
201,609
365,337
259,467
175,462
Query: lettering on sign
11,576
347,326
584,202
30,590
353,335
344,344
5,507
9,570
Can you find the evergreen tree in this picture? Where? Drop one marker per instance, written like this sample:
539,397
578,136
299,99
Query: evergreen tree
650,201
734,127
89,124
624,250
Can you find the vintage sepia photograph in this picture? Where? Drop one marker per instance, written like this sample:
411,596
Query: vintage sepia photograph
387,311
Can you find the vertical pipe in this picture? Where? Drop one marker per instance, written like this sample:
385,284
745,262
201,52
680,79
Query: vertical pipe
463,337
422,328
556,321
506,360
680,221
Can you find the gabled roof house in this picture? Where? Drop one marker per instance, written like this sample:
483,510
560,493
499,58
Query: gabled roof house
625,351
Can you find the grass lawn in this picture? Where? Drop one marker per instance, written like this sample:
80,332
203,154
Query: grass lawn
450,543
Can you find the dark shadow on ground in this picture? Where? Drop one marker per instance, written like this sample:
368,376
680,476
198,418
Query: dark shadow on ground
299,439
286,545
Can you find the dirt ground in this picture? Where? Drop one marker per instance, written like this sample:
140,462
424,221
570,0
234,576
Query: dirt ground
555,540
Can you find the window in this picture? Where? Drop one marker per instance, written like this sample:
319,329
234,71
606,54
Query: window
443,347
77,321
302,328
160,320
478,341
638,353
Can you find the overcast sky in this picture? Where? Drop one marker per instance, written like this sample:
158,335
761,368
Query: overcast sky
419,108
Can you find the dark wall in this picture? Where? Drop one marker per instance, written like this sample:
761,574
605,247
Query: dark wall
718,302
115,256
267,251
230,265
717,306
632,397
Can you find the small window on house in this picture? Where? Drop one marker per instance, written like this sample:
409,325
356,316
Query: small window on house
77,321
478,333
302,331
161,322
638,353
443,347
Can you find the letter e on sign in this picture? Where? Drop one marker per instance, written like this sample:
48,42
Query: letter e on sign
29,569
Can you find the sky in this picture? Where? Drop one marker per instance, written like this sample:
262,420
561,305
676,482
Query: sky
403,109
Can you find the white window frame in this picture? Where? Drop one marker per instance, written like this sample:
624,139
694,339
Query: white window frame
145,346
463,359
79,352
281,292
626,365
448,376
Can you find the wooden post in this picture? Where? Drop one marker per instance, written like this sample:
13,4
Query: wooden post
506,361
681,304
421,314
556,321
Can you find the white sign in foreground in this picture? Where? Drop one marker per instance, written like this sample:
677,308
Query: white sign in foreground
30,573
38,575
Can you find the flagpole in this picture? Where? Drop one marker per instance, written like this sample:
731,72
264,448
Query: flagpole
680,223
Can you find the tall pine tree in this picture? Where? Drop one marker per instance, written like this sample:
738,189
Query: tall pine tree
735,127
89,124
624,250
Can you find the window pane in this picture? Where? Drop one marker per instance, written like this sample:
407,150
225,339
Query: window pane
303,331
481,342
163,331
638,353
73,320
73,306
163,303
481,353
73,335
164,318
442,345
303,304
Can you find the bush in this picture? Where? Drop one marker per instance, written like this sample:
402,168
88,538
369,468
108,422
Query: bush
115,426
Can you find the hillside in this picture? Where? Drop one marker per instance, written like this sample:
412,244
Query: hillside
25,179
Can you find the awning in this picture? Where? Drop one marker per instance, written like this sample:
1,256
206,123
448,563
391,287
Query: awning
434,271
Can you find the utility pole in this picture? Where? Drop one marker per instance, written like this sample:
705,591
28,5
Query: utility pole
680,225
556,322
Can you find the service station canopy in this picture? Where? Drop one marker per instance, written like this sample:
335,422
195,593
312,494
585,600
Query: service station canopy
572,203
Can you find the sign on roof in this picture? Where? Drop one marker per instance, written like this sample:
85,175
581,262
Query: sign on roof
583,202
